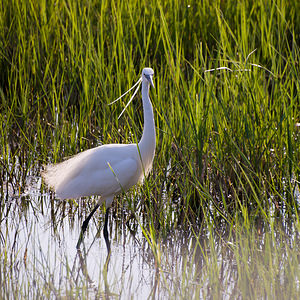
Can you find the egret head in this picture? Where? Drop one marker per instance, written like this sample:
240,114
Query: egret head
147,74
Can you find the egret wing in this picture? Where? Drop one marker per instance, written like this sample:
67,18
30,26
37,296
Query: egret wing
105,182
105,171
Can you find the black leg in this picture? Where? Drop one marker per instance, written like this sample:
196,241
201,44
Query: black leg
105,232
105,268
85,224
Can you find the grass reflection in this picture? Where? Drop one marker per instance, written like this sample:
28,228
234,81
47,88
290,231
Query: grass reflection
39,256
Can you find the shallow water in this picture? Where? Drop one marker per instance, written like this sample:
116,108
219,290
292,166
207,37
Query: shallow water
39,236
44,250
39,257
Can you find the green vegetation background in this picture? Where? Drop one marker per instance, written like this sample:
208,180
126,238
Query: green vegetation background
226,173
227,139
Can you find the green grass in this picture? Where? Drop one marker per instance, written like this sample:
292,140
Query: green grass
228,146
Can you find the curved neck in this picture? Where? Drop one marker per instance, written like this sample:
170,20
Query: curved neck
147,142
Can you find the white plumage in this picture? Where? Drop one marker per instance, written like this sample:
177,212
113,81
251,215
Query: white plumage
109,169
103,171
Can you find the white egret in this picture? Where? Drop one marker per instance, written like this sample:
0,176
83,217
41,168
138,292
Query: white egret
107,170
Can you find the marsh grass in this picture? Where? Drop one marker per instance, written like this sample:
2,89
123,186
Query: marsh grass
226,106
